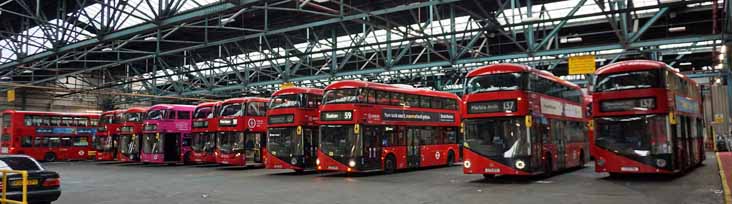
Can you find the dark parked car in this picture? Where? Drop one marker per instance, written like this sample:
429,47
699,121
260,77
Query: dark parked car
723,143
43,185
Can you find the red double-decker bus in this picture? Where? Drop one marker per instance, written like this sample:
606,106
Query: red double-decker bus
48,136
105,141
367,126
522,121
242,126
130,134
203,133
292,129
648,119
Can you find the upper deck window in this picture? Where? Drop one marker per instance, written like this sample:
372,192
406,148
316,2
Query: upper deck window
341,96
496,82
106,119
232,109
155,114
627,80
133,117
286,101
256,109
202,112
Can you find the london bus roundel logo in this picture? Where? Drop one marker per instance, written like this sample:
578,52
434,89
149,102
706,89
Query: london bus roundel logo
437,155
252,123
81,152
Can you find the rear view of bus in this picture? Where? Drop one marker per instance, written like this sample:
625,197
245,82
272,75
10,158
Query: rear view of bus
292,136
105,141
647,119
522,121
241,130
166,134
130,134
204,133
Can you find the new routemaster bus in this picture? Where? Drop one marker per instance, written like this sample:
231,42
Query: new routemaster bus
241,130
166,134
204,133
105,141
648,119
130,134
367,126
292,136
48,136
522,121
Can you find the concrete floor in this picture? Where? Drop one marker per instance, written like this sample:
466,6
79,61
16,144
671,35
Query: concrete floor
96,182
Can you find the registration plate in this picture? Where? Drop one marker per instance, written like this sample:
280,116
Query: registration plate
333,167
198,160
492,170
278,166
31,182
225,162
629,168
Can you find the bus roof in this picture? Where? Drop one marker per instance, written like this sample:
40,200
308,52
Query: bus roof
114,111
639,65
513,68
246,99
172,106
50,113
137,110
298,90
346,84
208,104
631,65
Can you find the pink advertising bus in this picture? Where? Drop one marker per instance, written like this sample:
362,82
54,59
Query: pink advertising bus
166,134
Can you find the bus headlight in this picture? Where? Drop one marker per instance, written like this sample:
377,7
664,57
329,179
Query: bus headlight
293,161
661,162
520,164
352,163
317,161
237,155
601,162
467,164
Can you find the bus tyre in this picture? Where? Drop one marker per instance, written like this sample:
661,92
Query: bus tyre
187,158
49,157
450,158
389,164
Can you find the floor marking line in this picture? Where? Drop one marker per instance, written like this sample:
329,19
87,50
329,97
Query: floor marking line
727,193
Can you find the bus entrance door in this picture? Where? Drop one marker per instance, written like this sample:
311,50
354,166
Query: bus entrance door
253,147
171,146
413,154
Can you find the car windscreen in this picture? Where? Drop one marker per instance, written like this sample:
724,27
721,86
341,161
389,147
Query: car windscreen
19,163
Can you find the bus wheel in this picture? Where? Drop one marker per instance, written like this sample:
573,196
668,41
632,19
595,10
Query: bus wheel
49,157
450,158
389,164
186,158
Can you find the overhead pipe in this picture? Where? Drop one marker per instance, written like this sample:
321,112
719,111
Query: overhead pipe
318,7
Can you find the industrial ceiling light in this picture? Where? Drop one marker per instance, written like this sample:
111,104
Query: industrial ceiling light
684,53
150,38
685,63
677,29
669,1
570,39
27,71
532,19
225,21
5,78
106,49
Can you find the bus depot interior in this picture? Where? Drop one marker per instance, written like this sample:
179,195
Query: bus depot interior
378,101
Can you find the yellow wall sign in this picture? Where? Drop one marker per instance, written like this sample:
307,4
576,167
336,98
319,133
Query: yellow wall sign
287,85
584,64
11,95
